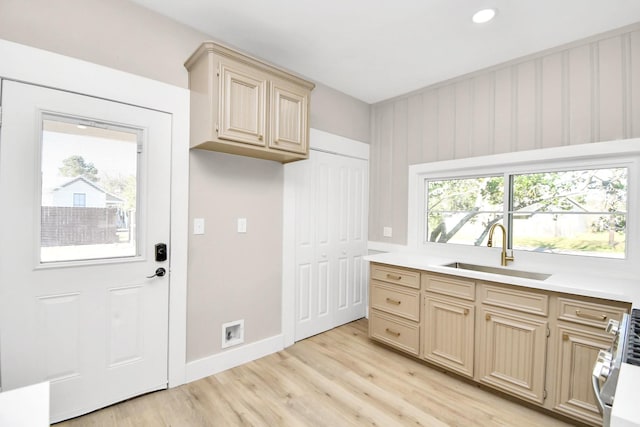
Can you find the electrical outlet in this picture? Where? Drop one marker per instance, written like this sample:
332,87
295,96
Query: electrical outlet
387,232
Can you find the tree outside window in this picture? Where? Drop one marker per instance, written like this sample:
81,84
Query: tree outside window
580,212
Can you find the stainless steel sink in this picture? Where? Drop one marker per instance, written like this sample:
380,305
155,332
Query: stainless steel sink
496,270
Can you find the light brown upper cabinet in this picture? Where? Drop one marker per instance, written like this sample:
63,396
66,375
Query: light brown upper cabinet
241,105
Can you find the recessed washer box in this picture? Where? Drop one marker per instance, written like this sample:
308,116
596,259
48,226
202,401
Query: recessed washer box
232,333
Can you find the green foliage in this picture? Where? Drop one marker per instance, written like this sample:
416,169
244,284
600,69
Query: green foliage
76,166
583,191
597,242
122,186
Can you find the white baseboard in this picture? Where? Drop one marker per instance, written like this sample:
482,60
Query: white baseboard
231,358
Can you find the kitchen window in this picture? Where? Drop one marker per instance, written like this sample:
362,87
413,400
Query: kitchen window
559,210
462,210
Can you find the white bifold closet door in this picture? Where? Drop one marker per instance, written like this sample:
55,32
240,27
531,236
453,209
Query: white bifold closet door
331,200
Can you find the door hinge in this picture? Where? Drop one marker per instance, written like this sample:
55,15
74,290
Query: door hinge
0,115
548,332
544,394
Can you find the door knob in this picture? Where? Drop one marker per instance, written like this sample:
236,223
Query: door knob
159,272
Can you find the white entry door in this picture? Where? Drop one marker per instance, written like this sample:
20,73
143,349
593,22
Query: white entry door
331,197
84,184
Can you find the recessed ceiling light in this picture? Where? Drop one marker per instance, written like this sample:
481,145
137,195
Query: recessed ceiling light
484,15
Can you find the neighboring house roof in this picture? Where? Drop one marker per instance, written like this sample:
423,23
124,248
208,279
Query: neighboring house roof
110,197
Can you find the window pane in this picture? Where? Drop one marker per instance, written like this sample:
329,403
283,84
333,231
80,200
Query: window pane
89,191
571,212
463,210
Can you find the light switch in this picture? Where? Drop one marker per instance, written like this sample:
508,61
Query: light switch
198,226
387,232
242,225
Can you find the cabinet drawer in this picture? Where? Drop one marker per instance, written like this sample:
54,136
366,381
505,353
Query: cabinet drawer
396,300
399,276
515,299
589,313
446,285
392,330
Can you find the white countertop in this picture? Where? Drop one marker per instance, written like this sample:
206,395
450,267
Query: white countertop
625,411
578,284
25,407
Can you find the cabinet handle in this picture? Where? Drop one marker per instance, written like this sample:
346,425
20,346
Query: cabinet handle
487,316
394,301
466,311
392,332
393,276
565,336
591,316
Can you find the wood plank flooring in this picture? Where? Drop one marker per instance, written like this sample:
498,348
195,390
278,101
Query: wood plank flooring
338,378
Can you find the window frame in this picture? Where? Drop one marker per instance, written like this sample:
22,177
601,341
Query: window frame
624,153
141,185
76,196
508,199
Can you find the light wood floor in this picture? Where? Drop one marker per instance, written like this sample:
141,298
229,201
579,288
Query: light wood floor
338,378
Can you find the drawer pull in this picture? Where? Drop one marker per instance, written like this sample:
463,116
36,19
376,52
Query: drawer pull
487,316
466,311
565,336
591,316
394,301
392,332
393,276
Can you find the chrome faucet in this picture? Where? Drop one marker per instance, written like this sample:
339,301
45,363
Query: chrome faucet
504,257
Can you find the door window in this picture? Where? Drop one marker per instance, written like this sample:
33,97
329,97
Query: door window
89,192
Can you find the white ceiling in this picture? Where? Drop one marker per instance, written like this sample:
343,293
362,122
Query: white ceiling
375,49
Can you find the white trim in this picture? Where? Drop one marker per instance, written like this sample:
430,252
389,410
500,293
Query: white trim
336,144
288,322
600,154
318,141
220,362
35,66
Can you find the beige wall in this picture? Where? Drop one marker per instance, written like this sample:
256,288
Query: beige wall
231,276
350,120
585,92
122,35
115,33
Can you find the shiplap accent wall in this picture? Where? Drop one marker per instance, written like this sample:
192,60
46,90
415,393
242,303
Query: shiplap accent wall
588,91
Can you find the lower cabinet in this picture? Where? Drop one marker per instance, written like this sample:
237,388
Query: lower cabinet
512,353
578,348
448,333
533,344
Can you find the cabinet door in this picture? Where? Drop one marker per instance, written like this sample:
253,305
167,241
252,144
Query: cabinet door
289,130
242,104
577,352
448,334
512,353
